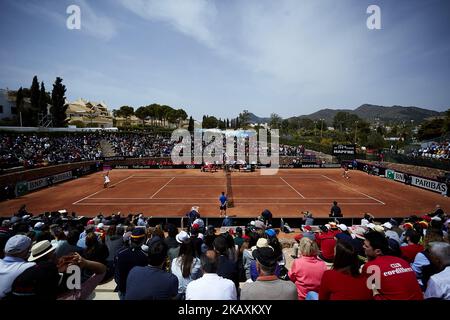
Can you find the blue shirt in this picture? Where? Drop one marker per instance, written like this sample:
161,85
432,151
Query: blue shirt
223,199
151,283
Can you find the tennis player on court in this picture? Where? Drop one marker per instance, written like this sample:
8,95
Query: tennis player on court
107,181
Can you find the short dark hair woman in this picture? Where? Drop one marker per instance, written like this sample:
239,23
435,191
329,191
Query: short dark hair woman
343,281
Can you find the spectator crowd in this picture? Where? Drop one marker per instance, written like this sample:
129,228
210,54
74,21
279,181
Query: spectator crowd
331,262
33,150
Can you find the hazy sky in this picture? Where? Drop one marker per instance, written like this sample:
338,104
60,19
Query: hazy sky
291,57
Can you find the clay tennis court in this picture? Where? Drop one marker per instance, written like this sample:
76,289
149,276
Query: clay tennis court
169,193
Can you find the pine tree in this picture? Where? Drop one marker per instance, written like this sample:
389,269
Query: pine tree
30,116
43,99
34,90
191,124
59,107
228,123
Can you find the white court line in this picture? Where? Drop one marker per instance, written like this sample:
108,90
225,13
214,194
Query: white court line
212,203
246,198
162,188
292,188
103,189
381,202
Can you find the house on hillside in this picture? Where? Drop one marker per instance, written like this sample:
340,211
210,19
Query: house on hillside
89,113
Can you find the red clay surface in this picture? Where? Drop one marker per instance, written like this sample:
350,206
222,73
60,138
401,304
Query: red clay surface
173,192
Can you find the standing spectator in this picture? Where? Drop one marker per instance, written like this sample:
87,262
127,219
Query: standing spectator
128,258
267,217
306,272
17,250
344,282
439,284
211,286
152,282
186,267
267,286
398,280
410,251
335,211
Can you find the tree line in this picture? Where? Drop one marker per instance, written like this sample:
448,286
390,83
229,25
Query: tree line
155,113
39,100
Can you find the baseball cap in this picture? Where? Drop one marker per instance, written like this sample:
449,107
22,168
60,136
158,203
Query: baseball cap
271,232
342,227
265,256
17,244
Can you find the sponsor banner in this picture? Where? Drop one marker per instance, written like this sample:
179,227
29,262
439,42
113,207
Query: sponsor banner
43,182
21,188
390,174
37,184
62,176
331,165
156,166
114,158
398,176
344,149
429,184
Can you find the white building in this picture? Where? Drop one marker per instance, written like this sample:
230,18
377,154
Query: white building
7,105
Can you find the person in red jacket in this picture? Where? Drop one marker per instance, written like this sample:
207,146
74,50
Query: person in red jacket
326,241
410,251
392,278
344,282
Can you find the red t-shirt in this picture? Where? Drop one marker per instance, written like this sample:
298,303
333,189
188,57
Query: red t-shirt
337,285
326,243
410,251
398,280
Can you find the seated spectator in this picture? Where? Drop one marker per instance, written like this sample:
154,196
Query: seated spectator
390,233
186,267
227,267
439,284
306,272
422,266
413,247
152,282
267,286
326,242
17,250
211,286
128,258
70,245
308,218
170,240
398,280
343,281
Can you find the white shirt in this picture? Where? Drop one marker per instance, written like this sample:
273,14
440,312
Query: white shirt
10,269
439,285
211,287
106,179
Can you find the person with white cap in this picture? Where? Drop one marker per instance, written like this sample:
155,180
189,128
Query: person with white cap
17,250
390,233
